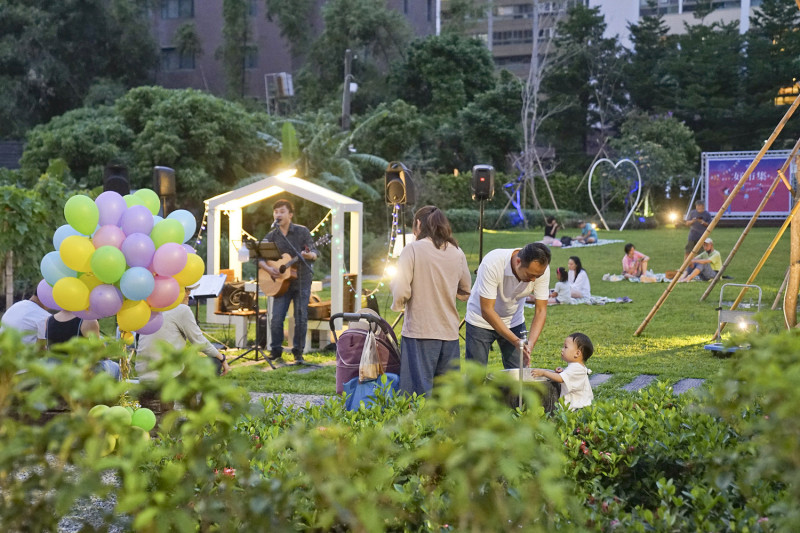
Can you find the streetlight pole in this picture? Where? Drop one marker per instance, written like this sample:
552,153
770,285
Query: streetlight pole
348,60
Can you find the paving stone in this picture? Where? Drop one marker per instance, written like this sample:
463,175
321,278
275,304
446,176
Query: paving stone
639,382
686,384
595,380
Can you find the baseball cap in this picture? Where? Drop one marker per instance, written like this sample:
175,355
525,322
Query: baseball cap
708,241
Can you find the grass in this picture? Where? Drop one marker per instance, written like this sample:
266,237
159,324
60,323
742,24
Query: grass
671,346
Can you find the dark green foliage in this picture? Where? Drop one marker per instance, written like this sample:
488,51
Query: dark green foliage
52,53
292,17
236,34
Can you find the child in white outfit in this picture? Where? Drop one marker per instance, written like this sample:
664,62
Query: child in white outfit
575,387
562,292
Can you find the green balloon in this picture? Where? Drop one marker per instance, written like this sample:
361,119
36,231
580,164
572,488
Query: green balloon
118,415
98,410
132,200
82,214
108,264
144,418
149,199
168,230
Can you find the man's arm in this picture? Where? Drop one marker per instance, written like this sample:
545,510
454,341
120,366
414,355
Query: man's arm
194,335
490,315
311,254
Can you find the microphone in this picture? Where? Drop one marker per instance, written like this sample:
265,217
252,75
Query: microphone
276,223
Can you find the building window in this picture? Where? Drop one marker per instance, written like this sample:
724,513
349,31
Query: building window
251,57
172,60
177,9
501,38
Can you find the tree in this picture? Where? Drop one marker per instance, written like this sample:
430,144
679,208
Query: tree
377,36
585,82
235,36
646,77
390,131
51,54
293,19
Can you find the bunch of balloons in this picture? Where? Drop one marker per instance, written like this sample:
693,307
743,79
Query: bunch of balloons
116,256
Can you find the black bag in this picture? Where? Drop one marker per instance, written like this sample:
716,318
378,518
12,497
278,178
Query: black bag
566,241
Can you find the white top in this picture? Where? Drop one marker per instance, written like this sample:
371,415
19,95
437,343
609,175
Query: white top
496,281
580,285
28,318
179,327
576,389
564,290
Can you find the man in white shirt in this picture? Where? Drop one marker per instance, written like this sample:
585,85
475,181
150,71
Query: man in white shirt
496,306
28,317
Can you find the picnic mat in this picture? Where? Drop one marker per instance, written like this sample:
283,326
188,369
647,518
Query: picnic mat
650,278
600,242
595,300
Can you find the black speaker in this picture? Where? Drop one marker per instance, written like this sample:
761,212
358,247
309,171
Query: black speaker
482,182
398,184
234,298
164,181
115,178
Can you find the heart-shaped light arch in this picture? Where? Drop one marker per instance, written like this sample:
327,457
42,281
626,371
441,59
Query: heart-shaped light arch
638,191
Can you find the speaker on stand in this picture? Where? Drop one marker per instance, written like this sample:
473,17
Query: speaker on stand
164,185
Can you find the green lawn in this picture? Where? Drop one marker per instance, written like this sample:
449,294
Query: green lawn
670,347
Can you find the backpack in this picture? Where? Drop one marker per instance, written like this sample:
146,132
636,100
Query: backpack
566,241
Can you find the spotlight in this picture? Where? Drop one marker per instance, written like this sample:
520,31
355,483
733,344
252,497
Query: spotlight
390,271
673,217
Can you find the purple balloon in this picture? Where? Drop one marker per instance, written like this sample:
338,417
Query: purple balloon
88,314
153,325
138,249
137,219
45,293
169,259
111,207
105,300
189,249
108,235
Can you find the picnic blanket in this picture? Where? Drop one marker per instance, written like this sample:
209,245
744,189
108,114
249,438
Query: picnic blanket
600,242
650,278
596,300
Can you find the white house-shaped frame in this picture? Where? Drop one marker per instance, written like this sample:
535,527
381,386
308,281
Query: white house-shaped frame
231,203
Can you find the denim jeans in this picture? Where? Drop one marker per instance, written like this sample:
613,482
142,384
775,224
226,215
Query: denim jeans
479,341
423,359
299,295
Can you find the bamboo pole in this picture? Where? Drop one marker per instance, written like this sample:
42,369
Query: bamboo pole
780,291
789,220
722,209
780,177
790,296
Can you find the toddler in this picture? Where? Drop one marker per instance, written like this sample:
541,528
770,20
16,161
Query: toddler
561,293
575,387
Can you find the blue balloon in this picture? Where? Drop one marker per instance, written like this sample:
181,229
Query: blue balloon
53,268
157,219
187,220
62,233
137,283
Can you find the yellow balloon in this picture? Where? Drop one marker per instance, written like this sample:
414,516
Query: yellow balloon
192,272
71,294
133,315
127,337
76,252
173,305
90,280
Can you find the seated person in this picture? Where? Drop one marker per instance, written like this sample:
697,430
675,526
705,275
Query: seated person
64,325
28,317
179,327
588,233
634,262
578,278
575,387
550,229
562,292
706,265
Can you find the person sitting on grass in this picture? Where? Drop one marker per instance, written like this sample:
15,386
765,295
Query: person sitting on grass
706,265
634,262
561,293
550,229
588,233
578,278
575,387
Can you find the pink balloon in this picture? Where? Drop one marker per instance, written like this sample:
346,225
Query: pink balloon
169,259
105,300
138,249
164,293
45,294
111,206
108,236
137,219
153,325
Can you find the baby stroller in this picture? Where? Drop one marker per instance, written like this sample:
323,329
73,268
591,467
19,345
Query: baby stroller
350,344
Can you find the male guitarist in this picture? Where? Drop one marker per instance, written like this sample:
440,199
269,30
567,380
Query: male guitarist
292,239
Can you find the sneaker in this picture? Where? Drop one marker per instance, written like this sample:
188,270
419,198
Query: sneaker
298,358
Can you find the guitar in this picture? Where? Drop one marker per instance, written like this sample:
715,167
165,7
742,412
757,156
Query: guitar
278,286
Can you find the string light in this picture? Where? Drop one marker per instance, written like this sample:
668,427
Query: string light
322,222
202,229
394,231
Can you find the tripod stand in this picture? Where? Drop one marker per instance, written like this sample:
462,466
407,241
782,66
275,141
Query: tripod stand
267,251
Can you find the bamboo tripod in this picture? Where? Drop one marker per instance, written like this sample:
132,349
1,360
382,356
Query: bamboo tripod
794,276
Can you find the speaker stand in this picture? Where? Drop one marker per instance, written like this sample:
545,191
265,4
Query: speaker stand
256,348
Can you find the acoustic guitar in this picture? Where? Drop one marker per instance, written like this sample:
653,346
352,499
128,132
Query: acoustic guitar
288,271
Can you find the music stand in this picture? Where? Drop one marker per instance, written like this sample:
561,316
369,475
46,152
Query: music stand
269,252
